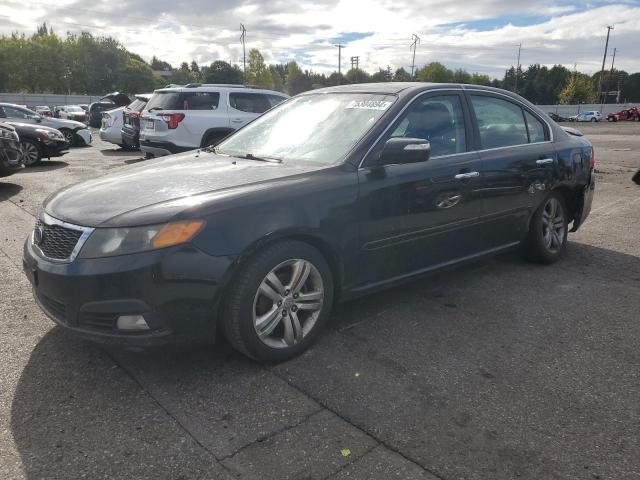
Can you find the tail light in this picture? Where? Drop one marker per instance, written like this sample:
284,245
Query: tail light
172,119
592,163
135,114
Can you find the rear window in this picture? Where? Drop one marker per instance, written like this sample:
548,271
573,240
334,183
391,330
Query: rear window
136,105
184,101
253,102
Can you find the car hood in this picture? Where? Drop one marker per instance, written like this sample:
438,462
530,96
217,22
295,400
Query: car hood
158,190
61,123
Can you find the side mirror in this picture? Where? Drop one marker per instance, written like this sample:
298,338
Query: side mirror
405,150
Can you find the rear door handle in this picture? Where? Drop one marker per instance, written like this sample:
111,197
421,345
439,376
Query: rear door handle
463,176
544,161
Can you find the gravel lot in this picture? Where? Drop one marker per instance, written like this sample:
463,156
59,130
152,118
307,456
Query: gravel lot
496,370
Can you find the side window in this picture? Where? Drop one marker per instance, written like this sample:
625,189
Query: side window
249,102
501,123
437,119
275,100
11,112
200,101
536,128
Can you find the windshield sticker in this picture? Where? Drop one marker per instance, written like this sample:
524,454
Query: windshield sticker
369,104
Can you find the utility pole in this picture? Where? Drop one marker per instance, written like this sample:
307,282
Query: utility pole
515,88
244,54
613,62
604,59
416,41
340,47
354,66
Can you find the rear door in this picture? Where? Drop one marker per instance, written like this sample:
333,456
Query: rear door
519,161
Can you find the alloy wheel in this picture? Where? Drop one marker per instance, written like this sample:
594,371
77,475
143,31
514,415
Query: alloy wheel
553,225
288,303
68,136
30,153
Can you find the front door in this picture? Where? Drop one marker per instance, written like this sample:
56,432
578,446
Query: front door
416,216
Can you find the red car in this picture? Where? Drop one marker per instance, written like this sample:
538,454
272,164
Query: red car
632,114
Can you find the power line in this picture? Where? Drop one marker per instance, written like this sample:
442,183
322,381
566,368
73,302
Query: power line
354,66
416,41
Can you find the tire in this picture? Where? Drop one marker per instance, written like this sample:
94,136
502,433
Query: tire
31,153
253,295
543,245
69,136
594,119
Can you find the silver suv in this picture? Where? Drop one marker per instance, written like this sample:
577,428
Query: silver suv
181,118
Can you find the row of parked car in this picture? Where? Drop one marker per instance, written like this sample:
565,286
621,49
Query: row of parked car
628,114
179,118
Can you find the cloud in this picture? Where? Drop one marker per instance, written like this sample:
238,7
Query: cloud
480,36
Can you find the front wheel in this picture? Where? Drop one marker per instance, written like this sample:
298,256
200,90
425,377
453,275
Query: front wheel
594,119
548,231
69,136
279,302
31,154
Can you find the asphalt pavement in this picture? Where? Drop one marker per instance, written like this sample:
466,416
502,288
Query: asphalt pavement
499,369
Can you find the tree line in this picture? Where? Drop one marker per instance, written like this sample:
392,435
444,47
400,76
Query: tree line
93,65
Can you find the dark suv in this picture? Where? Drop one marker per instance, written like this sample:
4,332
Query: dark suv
131,121
332,194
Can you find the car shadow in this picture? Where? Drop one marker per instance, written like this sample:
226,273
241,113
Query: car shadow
134,160
119,152
8,189
78,408
45,166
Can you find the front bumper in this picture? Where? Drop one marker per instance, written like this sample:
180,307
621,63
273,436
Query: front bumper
84,135
111,135
176,290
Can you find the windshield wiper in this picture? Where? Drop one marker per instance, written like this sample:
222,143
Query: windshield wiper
251,156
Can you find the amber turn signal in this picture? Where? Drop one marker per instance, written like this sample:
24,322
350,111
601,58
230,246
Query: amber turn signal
176,233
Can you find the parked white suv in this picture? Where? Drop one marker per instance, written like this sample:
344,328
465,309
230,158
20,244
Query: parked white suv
181,118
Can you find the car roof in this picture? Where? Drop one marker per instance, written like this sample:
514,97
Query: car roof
205,87
404,88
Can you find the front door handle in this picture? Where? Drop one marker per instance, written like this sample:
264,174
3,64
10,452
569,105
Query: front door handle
544,161
463,176
236,120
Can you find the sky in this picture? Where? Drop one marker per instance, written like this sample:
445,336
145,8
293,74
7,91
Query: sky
479,36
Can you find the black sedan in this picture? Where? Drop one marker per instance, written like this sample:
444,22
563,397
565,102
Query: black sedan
333,194
38,142
10,152
108,102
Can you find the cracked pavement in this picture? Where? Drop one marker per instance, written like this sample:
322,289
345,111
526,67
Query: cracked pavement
498,369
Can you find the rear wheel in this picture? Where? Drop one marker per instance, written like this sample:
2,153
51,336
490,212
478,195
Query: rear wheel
594,119
279,302
213,139
31,154
548,230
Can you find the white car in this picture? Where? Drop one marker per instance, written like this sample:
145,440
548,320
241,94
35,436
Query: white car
181,118
111,127
73,112
591,116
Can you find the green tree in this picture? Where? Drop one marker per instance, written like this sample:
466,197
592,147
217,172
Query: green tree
434,72
135,77
295,79
382,75
258,73
401,75
631,89
157,64
223,72
578,89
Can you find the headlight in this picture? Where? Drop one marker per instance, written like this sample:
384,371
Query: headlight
107,242
50,134
8,134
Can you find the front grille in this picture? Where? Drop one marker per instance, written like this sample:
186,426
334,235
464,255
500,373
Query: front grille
98,321
57,242
56,309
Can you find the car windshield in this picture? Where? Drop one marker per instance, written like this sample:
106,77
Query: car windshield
74,109
318,128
